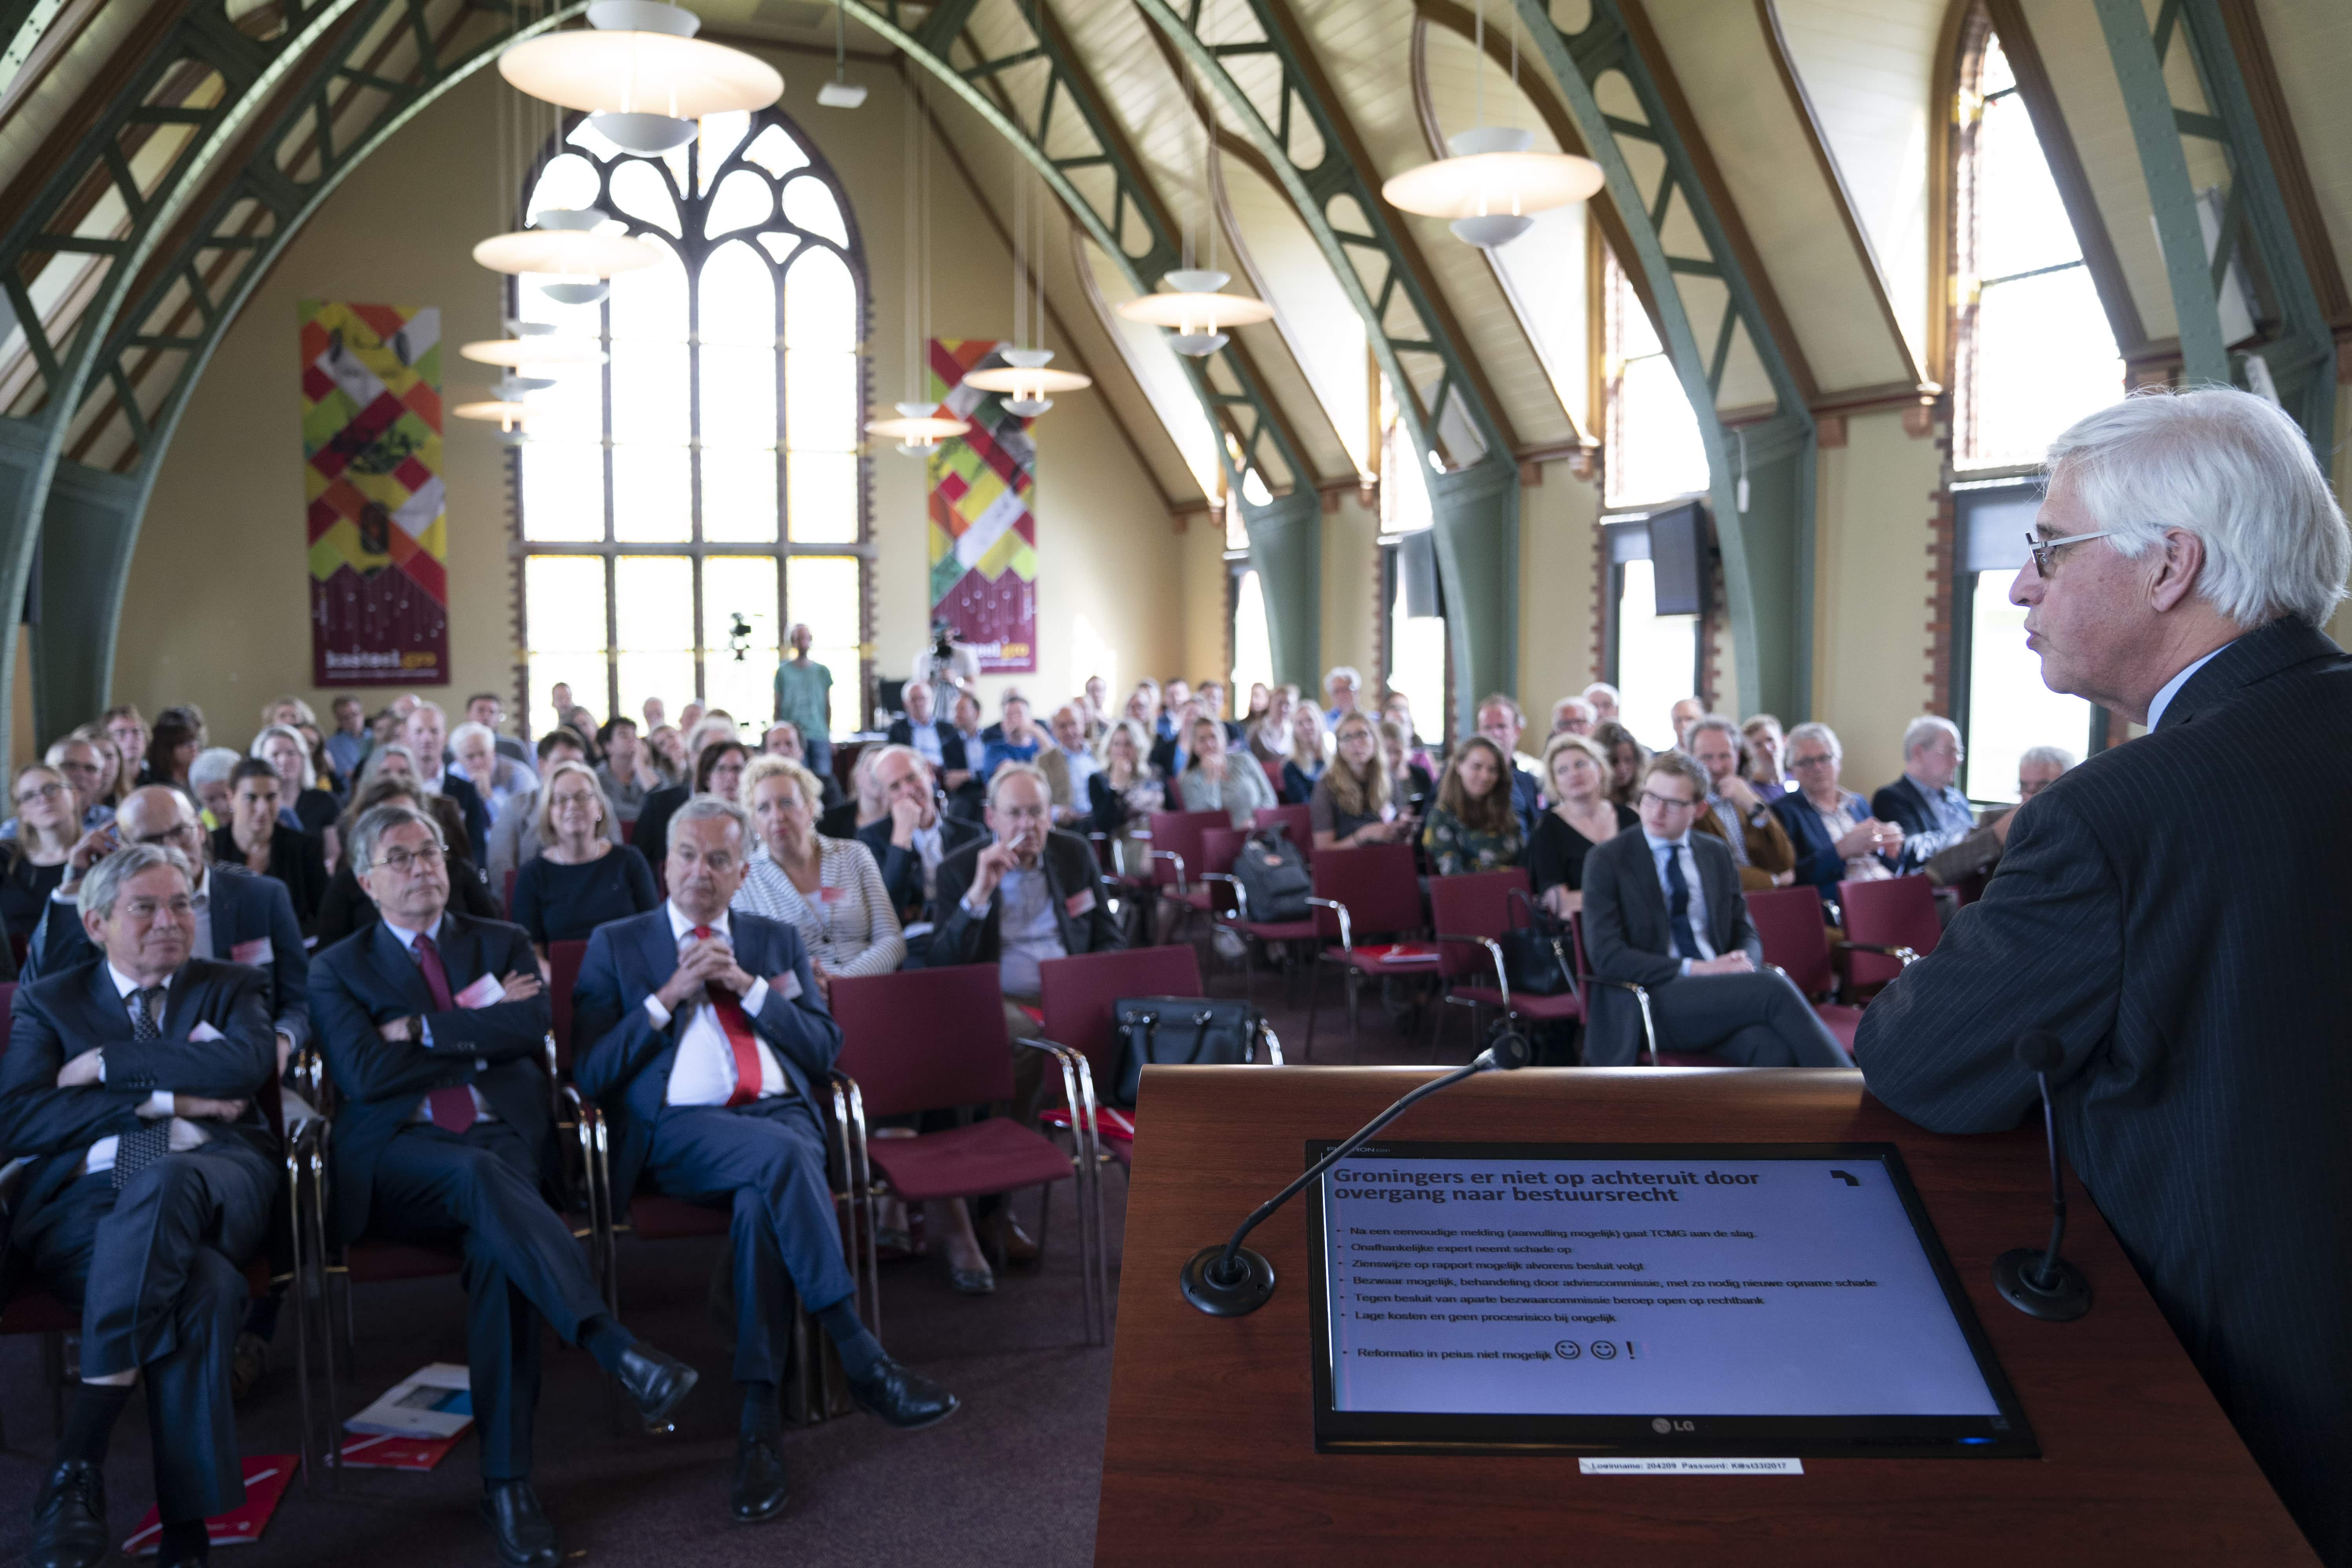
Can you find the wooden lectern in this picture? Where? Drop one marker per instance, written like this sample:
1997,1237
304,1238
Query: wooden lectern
1210,1458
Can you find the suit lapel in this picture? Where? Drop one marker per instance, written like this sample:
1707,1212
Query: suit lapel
461,952
108,1005
180,1004
397,969
216,913
656,948
1653,894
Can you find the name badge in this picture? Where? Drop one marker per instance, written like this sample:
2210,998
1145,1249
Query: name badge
831,895
787,986
481,993
256,953
1080,903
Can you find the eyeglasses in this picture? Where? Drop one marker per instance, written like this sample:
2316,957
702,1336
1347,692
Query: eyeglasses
1818,759
1668,802
405,861
2045,551
40,792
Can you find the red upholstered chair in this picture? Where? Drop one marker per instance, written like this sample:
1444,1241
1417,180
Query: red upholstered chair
1365,892
564,961
1299,820
506,899
924,1039
1788,921
1176,856
1586,978
1471,913
1890,924
1272,775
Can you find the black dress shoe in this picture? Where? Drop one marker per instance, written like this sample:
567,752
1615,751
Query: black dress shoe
68,1519
525,1539
656,1383
759,1494
903,1397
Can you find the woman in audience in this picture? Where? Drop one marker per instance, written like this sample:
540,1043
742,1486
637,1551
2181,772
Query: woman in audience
308,807
668,748
1269,736
129,728
347,907
324,772
1124,793
47,824
1627,757
1308,757
1218,781
579,879
718,769
1261,703
171,749
865,804
829,890
256,838
1398,707
1355,802
1832,828
1576,779
113,780
1412,780
1472,826
584,723
1767,748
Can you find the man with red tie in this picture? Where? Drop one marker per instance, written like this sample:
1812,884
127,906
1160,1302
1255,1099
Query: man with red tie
432,1023
700,1031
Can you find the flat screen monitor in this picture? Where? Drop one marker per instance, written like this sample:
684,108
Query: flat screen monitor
1716,1299
1679,561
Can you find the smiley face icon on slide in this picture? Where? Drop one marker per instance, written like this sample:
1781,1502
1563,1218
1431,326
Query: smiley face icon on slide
1604,1350
1568,1350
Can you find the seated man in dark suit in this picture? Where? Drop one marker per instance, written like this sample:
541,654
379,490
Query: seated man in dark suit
1023,895
1663,909
909,844
239,917
1931,811
432,1023
130,1086
701,1032
932,737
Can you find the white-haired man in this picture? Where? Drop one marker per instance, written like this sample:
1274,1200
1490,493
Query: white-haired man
1604,699
2172,912
1340,690
1924,802
1980,852
1572,716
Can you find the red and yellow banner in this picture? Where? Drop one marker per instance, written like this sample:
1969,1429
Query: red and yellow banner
378,523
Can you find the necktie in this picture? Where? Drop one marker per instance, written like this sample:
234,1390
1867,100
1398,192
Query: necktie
452,1110
1678,903
736,1025
134,1152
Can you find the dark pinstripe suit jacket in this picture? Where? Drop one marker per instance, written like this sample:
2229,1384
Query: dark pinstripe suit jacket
2179,912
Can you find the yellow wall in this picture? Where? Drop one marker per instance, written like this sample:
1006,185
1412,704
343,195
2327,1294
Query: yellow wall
1871,591
1350,581
1556,566
217,606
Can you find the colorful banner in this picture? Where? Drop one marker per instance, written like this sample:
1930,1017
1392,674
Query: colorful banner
983,538
372,479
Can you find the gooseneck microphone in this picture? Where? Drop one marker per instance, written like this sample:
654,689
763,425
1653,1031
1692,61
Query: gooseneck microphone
1230,1280
2042,1284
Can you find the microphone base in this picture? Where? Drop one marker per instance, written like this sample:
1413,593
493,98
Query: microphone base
2066,1297
1247,1294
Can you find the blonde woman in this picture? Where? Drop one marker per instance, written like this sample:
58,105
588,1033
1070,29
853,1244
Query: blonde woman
828,890
1577,780
1355,801
1308,755
1220,781
579,879
33,863
1124,793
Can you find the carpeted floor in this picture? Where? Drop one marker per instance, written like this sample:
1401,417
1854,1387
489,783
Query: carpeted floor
1011,1478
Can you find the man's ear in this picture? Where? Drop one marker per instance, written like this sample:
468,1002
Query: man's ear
94,927
2180,561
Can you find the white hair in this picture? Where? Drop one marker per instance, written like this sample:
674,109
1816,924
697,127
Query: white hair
1816,731
1616,698
212,766
2231,469
468,731
2057,757
1346,672
1922,732
270,733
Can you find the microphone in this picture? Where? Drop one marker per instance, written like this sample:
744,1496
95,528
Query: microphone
1230,1280
2042,1284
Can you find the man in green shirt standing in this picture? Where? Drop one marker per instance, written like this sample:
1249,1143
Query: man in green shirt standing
804,698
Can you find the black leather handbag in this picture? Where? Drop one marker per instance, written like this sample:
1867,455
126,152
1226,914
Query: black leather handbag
1177,1031
1534,955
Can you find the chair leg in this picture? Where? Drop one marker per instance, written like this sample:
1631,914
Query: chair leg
1314,966
53,1372
1355,1009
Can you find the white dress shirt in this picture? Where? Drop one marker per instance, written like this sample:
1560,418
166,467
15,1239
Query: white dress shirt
703,1071
2171,689
185,1134
1659,848
407,940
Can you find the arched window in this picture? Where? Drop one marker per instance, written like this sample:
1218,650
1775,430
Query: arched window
2033,354
681,509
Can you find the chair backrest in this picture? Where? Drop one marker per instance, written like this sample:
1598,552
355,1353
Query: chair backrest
1298,819
1273,771
1179,832
922,1038
1220,848
1478,904
1376,883
1078,992
7,1005
1788,922
1893,912
506,899
563,973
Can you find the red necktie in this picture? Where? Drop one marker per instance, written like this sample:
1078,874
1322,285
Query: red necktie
452,1110
736,1025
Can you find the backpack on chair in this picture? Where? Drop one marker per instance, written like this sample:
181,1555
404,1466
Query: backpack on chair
1273,875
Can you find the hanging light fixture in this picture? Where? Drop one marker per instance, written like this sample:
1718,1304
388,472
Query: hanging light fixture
1189,301
920,426
1493,178
507,413
1025,381
1022,378
534,343
641,73
565,243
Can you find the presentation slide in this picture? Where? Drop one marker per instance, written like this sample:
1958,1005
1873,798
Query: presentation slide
1611,1287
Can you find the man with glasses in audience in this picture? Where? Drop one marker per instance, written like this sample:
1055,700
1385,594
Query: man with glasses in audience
1733,812
486,709
1925,802
432,1025
701,1031
1662,910
130,1088
1979,853
1836,836
910,842
1572,716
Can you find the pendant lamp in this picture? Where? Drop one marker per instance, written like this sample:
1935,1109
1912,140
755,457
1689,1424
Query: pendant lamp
641,73
1025,381
1189,301
920,428
534,343
565,245
1492,182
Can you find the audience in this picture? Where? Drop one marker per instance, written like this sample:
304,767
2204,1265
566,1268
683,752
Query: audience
1980,852
171,748
1217,780
865,806
1398,710
1735,812
113,782
488,709
934,739
1627,758
628,774
1212,694
1662,910
1068,765
131,738
1576,774
576,877
668,747
1475,826
1016,740
829,890
1572,716
301,802
1269,732
804,693
1925,803
393,759
716,755
1339,688
910,843
1172,754
1413,781
208,778
1685,712
347,907
783,739
516,838
256,838
1832,830
1604,700
35,855
78,763
1500,721
496,778
1261,703
1303,765
425,731
347,743
1355,802
1124,793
